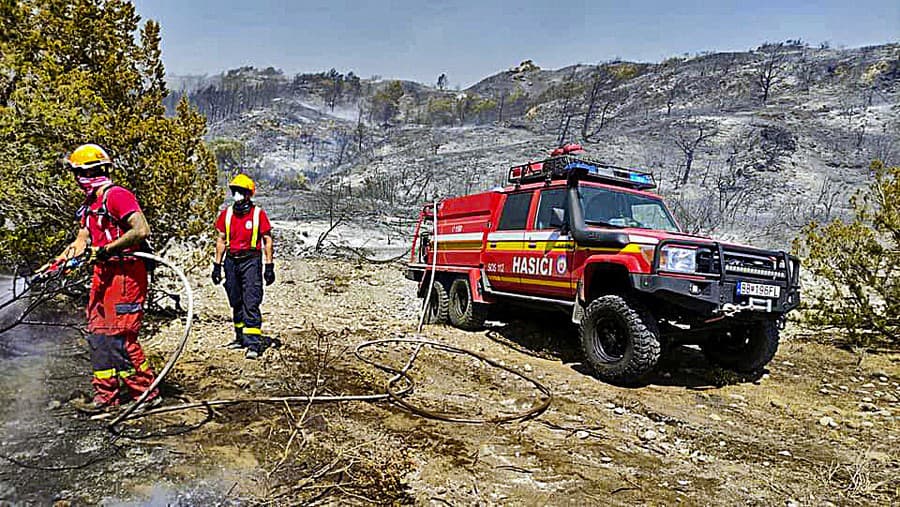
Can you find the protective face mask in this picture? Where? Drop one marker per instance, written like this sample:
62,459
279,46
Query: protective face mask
242,206
238,197
89,184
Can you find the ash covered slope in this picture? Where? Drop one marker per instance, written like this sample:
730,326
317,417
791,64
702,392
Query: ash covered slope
751,144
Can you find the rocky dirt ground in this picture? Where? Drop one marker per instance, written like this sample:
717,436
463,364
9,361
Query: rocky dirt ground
819,427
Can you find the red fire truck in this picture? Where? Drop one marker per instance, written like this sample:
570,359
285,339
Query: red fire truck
590,238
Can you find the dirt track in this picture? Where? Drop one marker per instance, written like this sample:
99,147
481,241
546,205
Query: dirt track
817,428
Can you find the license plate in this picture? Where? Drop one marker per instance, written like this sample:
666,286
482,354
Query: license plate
758,289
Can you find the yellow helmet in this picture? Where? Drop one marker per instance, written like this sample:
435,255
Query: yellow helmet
88,156
243,181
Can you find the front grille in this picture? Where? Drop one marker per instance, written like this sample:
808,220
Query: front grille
755,266
740,264
707,261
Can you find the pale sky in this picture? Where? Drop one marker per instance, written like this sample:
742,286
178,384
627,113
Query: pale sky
469,40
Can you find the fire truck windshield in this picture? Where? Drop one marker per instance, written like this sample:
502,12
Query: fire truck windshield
623,209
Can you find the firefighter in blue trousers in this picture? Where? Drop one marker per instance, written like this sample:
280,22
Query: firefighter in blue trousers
245,240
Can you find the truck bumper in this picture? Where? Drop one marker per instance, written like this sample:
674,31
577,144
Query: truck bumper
715,296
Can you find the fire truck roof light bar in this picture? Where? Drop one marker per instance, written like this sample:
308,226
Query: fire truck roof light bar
561,167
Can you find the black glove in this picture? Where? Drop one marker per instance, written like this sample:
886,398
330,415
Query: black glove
217,274
269,274
100,254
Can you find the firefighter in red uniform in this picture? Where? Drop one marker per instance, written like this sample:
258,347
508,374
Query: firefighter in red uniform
245,237
112,229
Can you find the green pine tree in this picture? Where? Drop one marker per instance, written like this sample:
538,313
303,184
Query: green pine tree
80,71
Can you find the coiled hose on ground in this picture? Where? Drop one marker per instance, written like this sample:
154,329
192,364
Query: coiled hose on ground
397,387
392,393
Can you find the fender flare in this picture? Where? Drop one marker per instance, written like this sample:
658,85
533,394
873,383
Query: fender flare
628,262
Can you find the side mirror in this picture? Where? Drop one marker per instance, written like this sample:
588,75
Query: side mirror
557,217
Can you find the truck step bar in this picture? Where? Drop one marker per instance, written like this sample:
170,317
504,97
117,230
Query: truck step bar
529,298
490,291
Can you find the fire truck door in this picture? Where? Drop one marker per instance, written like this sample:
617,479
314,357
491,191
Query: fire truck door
546,267
504,242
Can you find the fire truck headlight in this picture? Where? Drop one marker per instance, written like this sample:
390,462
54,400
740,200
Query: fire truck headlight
678,259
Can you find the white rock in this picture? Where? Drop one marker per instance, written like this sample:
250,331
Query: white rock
528,368
649,435
827,421
715,417
785,453
582,434
619,410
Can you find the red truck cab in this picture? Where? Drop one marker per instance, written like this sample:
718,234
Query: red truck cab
590,238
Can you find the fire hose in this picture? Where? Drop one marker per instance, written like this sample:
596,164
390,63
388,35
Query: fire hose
393,392
179,349
397,387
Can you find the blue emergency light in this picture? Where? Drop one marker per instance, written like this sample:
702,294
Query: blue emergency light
644,178
563,166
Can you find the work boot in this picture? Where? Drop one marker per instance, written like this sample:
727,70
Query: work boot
94,406
234,345
252,353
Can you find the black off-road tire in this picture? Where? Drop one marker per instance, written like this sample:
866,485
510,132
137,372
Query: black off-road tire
619,339
745,347
465,313
438,304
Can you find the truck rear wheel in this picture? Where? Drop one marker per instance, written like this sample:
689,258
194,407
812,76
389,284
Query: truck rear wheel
465,313
619,339
438,304
745,347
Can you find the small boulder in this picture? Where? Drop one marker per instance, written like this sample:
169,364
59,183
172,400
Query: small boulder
828,421
649,435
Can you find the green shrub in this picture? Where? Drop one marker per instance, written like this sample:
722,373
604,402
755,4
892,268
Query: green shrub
857,263
79,71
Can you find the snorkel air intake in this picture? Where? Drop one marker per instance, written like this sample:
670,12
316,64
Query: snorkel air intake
577,228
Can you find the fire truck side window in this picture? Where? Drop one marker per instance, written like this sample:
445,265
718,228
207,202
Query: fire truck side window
553,198
515,212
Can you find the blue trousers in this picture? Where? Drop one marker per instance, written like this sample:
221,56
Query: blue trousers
244,285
